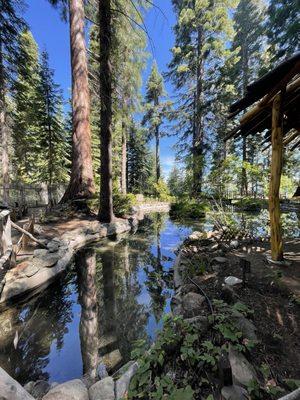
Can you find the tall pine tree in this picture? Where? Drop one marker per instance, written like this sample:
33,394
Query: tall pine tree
283,28
53,159
11,25
202,32
156,111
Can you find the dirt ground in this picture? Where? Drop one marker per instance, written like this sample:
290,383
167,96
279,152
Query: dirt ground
273,292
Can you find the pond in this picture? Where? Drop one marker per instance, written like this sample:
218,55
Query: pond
114,293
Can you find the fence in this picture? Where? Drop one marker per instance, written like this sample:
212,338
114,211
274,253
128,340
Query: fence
6,243
32,195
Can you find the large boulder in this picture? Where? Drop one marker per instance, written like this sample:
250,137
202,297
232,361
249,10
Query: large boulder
11,389
192,304
71,390
103,390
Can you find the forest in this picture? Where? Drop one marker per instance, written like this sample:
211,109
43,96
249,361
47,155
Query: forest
161,188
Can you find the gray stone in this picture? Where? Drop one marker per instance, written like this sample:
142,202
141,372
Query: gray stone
71,390
220,260
29,386
40,252
103,390
189,287
246,326
242,371
192,304
112,359
102,371
232,281
30,270
122,384
47,260
39,389
234,392
11,389
234,244
228,294
200,323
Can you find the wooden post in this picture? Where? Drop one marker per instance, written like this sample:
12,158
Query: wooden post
276,169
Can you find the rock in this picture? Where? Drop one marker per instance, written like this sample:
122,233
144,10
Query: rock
192,304
189,287
234,244
30,270
234,392
246,327
11,389
214,247
220,260
29,385
228,294
112,359
47,260
232,281
122,384
103,390
102,371
200,323
196,236
39,389
242,371
71,390
53,246
40,252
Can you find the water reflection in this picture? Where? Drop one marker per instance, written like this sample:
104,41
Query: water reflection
115,293
85,263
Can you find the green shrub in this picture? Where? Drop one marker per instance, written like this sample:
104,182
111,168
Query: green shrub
123,203
161,191
188,209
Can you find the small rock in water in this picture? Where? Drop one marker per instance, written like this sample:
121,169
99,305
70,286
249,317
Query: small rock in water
232,281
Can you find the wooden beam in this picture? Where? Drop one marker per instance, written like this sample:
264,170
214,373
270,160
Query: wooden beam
276,169
18,228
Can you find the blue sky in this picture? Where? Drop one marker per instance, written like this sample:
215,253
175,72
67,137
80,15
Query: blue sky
53,35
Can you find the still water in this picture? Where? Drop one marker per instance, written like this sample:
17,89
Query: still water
114,293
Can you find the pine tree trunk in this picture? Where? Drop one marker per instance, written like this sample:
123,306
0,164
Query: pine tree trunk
245,64
157,153
3,133
82,180
124,160
106,200
198,134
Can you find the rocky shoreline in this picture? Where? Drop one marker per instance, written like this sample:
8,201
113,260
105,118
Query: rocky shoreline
190,302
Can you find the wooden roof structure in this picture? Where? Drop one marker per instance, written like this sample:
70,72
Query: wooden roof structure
275,112
261,94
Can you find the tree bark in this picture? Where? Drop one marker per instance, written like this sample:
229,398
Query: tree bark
245,64
157,153
3,132
124,160
276,169
198,134
82,180
106,200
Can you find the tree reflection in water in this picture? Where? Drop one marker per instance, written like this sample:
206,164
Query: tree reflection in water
85,262
42,322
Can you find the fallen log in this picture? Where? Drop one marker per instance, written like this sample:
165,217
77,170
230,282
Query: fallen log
18,228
